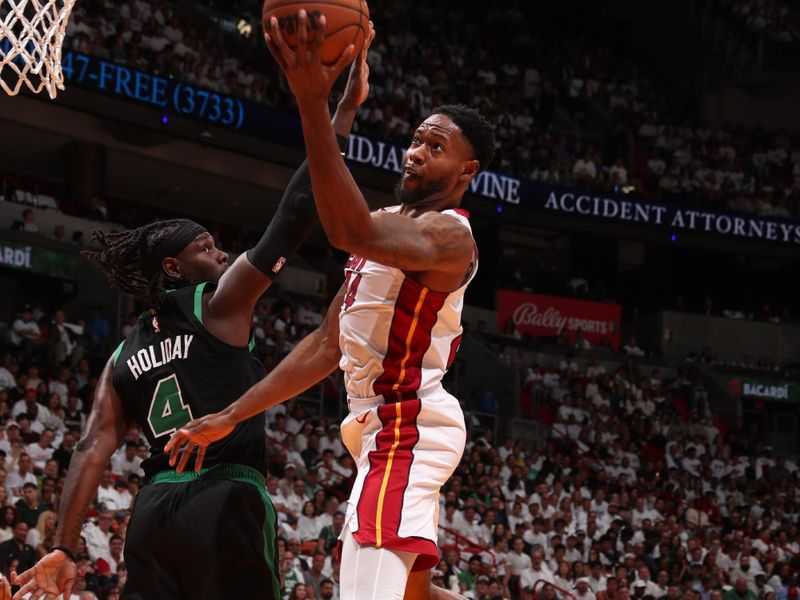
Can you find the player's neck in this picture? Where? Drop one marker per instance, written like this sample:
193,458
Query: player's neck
438,205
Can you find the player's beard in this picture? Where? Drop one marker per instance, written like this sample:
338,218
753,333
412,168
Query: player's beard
419,194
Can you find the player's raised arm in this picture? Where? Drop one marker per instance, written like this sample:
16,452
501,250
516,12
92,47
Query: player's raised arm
314,358
229,310
435,242
105,430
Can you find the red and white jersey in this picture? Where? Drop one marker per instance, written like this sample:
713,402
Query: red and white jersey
397,337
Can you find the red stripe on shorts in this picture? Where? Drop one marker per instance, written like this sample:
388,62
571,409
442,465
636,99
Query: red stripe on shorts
381,500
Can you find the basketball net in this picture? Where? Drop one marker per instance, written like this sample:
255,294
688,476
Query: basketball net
31,34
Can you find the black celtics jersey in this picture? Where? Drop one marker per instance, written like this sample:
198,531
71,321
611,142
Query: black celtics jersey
170,370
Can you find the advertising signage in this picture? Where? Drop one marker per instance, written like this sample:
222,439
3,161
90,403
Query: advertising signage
25,257
173,97
549,316
781,391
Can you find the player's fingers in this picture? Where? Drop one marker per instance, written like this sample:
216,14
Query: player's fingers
370,38
319,38
178,439
187,452
344,60
275,51
21,578
68,587
25,589
201,454
37,594
6,595
302,37
280,43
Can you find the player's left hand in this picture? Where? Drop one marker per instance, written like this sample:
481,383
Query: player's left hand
357,88
48,579
309,80
196,435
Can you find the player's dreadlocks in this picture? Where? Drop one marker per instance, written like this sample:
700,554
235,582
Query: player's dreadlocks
132,262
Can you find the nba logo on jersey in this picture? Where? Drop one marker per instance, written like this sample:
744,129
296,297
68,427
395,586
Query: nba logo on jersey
156,326
279,265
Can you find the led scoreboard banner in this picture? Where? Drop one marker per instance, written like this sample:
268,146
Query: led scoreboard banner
173,97
184,99
176,98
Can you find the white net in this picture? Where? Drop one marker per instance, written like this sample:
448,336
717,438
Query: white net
31,34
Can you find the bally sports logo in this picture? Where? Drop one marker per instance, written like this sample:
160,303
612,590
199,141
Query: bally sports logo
547,316
551,318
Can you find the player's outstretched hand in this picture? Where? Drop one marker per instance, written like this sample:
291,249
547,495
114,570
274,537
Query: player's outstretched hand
5,589
357,88
51,576
309,80
196,435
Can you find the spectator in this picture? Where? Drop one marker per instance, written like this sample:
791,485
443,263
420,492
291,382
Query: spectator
41,451
21,475
98,537
129,463
28,222
740,591
25,333
98,330
17,549
30,508
631,348
41,536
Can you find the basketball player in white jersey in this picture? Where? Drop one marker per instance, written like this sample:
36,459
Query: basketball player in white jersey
393,328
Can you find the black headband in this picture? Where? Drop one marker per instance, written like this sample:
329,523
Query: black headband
173,244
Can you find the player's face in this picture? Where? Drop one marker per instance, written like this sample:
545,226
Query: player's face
434,163
201,260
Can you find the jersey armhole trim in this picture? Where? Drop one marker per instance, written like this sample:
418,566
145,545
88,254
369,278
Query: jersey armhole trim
117,352
198,301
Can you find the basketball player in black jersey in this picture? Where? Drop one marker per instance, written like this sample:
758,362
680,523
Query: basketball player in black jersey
210,534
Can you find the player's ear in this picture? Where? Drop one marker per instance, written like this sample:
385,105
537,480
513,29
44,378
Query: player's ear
171,267
469,170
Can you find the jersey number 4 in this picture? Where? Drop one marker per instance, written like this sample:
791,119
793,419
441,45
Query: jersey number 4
168,412
352,288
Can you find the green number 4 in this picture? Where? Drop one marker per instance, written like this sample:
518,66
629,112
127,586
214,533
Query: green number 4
168,412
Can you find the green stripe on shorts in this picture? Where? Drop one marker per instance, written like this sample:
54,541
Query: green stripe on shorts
270,531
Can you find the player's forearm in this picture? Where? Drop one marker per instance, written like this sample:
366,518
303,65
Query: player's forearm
343,118
294,220
341,206
88,462
311,360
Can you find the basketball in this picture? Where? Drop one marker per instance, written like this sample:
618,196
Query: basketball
347,23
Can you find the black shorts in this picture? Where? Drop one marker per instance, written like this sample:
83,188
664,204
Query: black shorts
203,536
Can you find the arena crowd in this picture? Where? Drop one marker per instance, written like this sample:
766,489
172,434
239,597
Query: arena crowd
537,92
636,491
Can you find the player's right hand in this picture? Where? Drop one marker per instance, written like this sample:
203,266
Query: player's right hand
51,576
196,435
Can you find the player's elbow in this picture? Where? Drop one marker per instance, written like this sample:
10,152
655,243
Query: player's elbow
346,241
329,349
351,237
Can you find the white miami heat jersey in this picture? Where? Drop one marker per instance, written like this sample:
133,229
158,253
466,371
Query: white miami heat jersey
397,337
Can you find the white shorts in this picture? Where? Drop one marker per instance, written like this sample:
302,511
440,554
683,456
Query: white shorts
404,452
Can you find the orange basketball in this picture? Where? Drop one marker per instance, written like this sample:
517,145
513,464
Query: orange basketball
347,22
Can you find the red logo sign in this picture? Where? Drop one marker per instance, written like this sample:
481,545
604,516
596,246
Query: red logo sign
549,316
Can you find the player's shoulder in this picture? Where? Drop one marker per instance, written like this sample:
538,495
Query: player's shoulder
447,223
